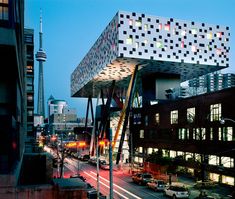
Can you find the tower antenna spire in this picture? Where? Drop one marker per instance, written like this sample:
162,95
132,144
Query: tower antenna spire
41,57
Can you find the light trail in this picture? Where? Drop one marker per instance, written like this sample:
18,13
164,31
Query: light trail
135,196
107,186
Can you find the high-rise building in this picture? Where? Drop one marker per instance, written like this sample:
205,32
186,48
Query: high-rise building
29,45
13,91
41,57
212,82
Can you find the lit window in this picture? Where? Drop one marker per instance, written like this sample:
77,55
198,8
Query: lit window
138,23
160,26
215,112
194,31
149,151
167,27
182,44
213,160
159,44
140,149
29,97
219,34
145,41
227,162
227,134
211,133
173,31
4,10
194,48
183,32
209,35
199,134
131,22
183,134
190,115
146,27
218,51
29,69
129,41
228,180
157,118
174,117
141,133
136,44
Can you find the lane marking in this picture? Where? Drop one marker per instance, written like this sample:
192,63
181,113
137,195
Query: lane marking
106,186
135,196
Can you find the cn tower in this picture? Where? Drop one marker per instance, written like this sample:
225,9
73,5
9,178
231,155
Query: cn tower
41,57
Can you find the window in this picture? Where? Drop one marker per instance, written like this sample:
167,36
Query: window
218,51
145,27
137,45
130,22
211,133
183,134
194,31
160,26
219,34
199,133
190,115
141,133
146,120
4,10
137,118
209,35
157,118
167,27
183,33
145,41
29,69
138,23
215,112
226,134
227,162
213,160
193,48
174,117
30,112
30,98
140,149
159,44
182,44
129,41
149,151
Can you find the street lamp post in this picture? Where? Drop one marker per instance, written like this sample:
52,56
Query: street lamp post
222,120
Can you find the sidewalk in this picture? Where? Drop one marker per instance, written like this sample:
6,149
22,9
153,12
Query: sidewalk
217,192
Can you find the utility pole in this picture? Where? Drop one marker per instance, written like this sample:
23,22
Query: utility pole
97,166
110,163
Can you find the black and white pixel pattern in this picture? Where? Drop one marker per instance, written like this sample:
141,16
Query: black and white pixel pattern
165,45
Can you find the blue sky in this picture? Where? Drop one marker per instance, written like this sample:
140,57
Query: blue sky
70,28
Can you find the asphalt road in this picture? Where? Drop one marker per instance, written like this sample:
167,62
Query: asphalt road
123,187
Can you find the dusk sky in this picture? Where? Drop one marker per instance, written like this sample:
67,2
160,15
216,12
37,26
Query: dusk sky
71,27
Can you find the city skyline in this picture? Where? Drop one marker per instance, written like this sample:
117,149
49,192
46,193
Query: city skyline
72,27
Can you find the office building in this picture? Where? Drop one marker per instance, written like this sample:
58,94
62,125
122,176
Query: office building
29,45
13,91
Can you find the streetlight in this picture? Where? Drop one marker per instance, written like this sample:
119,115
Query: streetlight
222,120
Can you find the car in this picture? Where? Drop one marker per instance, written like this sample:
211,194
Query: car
104,165
156,185
84,157
142,178
92,160
176,192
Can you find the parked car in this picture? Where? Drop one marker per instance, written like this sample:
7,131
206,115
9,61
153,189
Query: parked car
84,157
104,165
78,176
156,185
142,178
92,160
177,192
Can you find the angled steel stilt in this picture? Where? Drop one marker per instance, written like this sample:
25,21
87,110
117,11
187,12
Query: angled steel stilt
125,113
